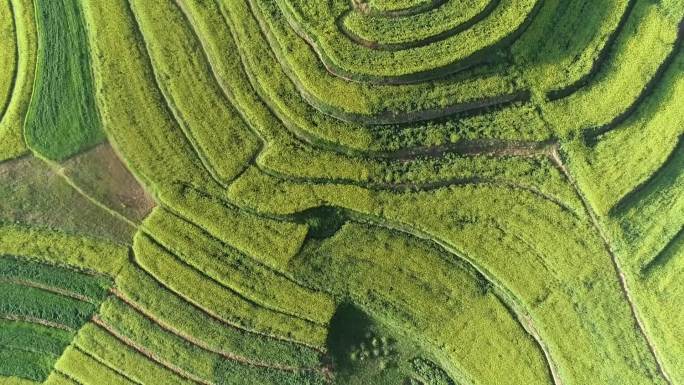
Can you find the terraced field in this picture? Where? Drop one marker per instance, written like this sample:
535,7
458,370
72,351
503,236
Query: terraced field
345,192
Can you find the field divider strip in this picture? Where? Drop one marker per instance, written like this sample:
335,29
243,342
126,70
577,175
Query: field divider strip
227,355
152,357
50,289
410,11
171,106
37,321
15,68
222,320
556,156
210,278
105,364
68,377
660,257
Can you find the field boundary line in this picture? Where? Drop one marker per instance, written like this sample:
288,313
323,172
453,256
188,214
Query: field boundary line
50,289
106,364
142,350
216,281
222,320
37,321
68,377
660,257
227,355
418,187
624,286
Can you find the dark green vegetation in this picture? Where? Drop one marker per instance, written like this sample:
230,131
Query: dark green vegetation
62,119
41,308
347,192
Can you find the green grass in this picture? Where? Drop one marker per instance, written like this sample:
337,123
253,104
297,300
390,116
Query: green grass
62,119
9,60
92,287
12,121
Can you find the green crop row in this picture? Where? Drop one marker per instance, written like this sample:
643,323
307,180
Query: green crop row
94,287
381,30
30,302
174,311
653,214
366,103
29,350
638,58
62,119
62,249
194,286
35,337
315,23
222,139
567,41
190,358
155,149
313,127
361,259
633,151
12,118
269,241
25,364
280,155
9,59
86,370
398,7
126,360
237,271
